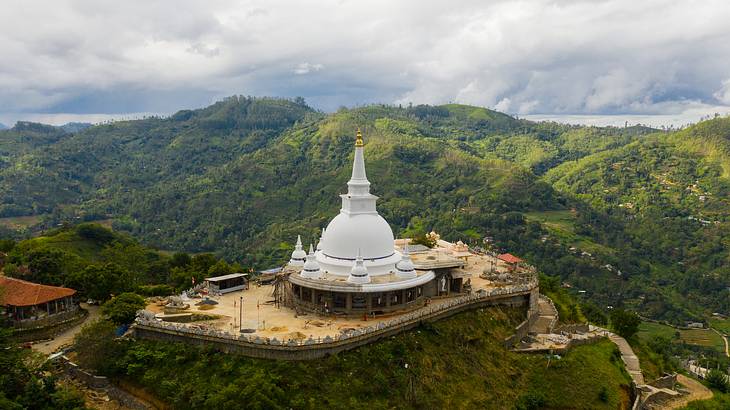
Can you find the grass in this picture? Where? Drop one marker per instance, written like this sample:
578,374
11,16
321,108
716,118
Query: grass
699,337
723,325
20,222
68,241
647,330
719,401
561,224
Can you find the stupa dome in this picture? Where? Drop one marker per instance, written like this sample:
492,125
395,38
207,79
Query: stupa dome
368,232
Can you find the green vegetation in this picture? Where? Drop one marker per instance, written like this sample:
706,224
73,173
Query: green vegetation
122,309
625,323
660,348
723,325
458,362
101,263
697,337
718,380
634,218
26,383
719,401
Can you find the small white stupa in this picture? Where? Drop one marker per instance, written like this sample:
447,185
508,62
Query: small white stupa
298,256
359,273
311,267
404,269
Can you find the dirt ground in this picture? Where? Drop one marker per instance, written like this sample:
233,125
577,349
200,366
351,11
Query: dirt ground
267,320
697,390
50,346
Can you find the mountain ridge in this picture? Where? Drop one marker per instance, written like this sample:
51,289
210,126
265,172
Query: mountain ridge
243,176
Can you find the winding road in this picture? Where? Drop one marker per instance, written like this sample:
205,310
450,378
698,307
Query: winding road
67,336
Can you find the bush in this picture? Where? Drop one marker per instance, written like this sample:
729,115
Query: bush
123,308
625,323
531,401
96,341
155,290
718,380
95,232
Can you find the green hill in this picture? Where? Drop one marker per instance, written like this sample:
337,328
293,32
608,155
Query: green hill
242,177
458,362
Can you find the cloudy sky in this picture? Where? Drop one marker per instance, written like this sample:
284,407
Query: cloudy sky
592,60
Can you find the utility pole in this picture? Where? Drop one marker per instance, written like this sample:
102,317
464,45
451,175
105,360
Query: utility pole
240,315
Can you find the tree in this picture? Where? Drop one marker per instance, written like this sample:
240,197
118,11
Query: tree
718,380
26,382
625,323
96,340
123,308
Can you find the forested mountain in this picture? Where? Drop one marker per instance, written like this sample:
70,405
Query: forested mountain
633,216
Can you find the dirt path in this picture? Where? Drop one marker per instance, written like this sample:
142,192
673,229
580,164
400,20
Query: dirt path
67,335
697,392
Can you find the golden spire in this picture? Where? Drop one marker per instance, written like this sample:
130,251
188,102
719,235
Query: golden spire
358,140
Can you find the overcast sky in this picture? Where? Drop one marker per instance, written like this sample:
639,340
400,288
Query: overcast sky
90,60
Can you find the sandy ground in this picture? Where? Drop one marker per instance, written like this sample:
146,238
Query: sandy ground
697,390
260,313
50,346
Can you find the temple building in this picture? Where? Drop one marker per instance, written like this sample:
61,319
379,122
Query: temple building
358,268
27,303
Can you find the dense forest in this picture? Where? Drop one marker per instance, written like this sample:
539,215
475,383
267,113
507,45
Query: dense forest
634,217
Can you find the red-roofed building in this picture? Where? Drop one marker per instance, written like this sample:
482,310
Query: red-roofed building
511,260
25,300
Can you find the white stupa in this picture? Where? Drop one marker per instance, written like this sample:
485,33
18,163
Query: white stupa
311,267
359,273
404,269
358,226
298,256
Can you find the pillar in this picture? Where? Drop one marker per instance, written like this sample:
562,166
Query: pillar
300,293
314,296
348,303
369,302
387,300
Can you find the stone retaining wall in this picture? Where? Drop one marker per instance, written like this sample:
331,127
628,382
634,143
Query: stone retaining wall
254,346
30,334
95,382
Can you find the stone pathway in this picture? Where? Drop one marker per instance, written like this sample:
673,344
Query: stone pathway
547,317
630,360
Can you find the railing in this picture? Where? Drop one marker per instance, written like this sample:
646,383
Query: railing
144,320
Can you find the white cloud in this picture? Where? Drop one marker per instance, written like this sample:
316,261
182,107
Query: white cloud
723,94
306,68
554,57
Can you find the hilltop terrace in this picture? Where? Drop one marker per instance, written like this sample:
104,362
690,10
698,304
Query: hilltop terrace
269,313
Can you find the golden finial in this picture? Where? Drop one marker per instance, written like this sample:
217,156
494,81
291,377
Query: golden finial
358,140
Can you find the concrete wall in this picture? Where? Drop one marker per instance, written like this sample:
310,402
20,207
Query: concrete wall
313,350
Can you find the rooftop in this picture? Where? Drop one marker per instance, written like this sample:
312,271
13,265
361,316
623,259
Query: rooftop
226,277
17,292
509,258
